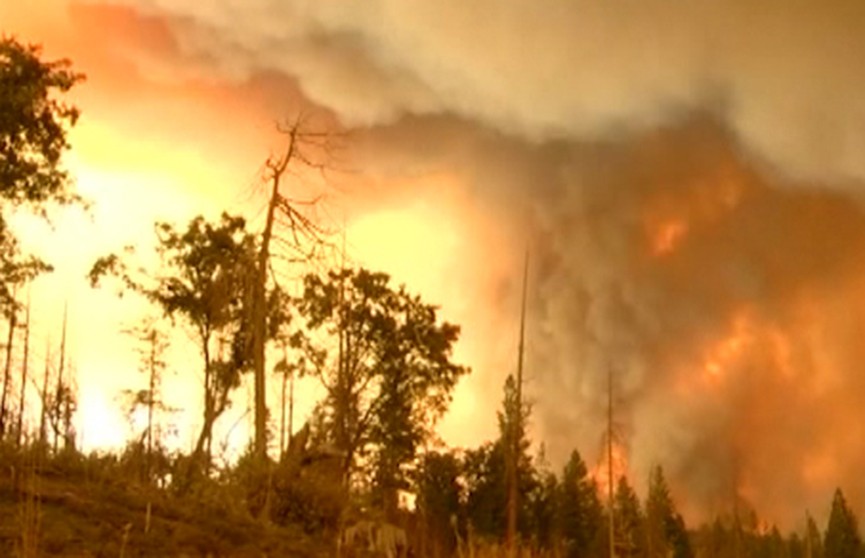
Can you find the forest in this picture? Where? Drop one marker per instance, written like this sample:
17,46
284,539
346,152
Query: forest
271,301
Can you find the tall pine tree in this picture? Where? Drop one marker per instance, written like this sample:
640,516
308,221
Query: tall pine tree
842,534
580,510
486,473
665,528
813,544
629,522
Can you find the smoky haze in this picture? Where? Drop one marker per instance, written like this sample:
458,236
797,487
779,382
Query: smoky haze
689,176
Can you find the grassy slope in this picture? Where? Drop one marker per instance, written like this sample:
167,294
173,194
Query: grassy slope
83,515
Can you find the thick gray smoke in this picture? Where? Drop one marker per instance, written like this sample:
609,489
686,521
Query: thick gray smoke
789,69
689,173
725,303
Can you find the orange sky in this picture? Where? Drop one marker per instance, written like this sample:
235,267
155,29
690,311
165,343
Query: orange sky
156,145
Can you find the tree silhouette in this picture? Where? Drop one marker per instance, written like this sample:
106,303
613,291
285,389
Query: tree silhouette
151,351
543,523
390,376
581,512
813,541
204,278
33,137
665,528
486,473
486,490
439,503
842,533
629,521
289,226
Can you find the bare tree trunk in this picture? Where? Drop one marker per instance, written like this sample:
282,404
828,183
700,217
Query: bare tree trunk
282,414
68,401
341,395
516,429
291,409
611,516
58,398
46,400
203,447
340,405
259,310
7,372
21,400
150,402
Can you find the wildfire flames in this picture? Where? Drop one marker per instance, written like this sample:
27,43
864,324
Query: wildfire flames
730,307
722,355
601,472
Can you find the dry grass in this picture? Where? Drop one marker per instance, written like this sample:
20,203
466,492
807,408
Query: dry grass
83,506
29,511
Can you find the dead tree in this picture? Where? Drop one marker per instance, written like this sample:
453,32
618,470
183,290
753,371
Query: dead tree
7,372
45,396
22,407
300,234
59,392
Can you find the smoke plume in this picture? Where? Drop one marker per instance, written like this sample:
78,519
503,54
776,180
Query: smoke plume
688,175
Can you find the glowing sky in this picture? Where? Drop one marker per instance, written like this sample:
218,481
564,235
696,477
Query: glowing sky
149,149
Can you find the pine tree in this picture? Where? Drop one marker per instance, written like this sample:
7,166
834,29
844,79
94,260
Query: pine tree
795,546
842,533
543,510
486,472
629,522
439,503
513,419
665,528
813,541
580,509
775,544
486,489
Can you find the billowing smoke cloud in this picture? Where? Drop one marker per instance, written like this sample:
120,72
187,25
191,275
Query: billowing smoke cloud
690,175
787,71
726,305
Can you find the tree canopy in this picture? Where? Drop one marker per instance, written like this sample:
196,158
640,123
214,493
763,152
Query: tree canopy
580,509
34,126
665,528
384,358
842,533
204,278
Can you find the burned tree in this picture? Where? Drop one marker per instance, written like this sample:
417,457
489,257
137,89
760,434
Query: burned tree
299,237
7,372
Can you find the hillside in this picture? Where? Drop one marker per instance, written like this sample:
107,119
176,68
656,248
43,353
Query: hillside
79,507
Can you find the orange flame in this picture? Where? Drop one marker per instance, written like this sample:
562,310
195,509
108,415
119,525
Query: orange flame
746,332
600,473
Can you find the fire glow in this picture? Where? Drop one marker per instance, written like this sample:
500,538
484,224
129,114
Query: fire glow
602,472
668,237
